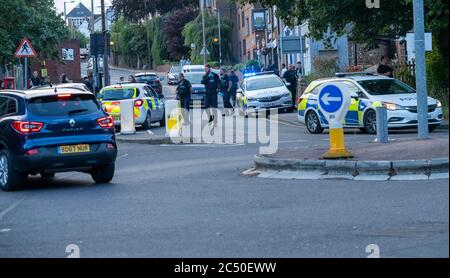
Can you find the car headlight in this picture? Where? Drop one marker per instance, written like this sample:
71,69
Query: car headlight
438,104
392,106
288,94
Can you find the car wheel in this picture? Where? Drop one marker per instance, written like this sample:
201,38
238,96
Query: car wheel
370,122
148,122
103,174
313,123
48,175
10,180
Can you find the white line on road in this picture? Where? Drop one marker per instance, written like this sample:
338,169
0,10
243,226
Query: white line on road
123,156
10,208
150,132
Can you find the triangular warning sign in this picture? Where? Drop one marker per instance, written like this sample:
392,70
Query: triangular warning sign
25,50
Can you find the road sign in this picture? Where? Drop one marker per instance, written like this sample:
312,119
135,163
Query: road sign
331,99
204,51
25,50
334,101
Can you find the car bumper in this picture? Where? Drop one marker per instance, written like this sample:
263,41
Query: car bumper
405,118
283,103
48,160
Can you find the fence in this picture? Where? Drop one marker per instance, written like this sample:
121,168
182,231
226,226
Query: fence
405,72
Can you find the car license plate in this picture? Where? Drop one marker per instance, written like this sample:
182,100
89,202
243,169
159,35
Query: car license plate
196,97
74,149
270,104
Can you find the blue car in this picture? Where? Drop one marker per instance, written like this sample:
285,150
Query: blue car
54,130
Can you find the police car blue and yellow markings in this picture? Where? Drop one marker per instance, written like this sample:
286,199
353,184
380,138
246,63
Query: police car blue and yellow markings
354,117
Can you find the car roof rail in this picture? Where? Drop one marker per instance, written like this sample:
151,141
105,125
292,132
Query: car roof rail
251,74
13,91
345,74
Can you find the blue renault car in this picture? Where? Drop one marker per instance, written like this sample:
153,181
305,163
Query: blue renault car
54,130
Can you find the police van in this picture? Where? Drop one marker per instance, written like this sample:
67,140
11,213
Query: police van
368,91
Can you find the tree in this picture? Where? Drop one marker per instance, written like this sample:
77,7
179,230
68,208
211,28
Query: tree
394,18
137,10
37,20
192,33
173,27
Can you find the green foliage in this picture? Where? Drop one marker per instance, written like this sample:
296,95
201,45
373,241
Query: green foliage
155,27
192,32
37,20
77,35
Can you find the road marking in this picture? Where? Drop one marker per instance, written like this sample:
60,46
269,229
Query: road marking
10,208
150,132
123,156
5,230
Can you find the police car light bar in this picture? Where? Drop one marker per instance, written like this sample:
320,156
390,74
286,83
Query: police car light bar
345,74
251,74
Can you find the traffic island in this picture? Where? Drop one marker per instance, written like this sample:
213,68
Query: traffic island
397,161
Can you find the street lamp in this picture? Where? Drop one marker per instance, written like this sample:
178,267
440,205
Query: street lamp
65,9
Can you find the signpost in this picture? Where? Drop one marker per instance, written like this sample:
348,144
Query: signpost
25,50
334,101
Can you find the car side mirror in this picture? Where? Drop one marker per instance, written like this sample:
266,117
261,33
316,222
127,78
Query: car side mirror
239,91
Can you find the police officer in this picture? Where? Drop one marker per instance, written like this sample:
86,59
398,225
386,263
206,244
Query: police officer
291,77
212,83
184,91
225,86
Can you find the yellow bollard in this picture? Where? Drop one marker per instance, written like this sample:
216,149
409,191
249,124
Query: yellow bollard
337,145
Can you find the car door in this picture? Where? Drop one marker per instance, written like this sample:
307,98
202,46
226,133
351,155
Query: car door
154,103
354,115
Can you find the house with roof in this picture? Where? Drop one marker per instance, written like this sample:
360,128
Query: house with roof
78,15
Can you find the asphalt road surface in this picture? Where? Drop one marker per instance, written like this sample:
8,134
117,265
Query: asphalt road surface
192,201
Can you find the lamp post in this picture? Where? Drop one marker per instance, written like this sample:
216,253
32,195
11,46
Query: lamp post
65,10
202,10
105,46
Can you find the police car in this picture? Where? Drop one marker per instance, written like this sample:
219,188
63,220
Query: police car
148,107
263,91
368,92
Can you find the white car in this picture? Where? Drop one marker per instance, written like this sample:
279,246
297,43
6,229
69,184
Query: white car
193,68
263,91
368,91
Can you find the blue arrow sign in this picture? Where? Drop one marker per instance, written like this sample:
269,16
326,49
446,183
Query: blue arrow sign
331,99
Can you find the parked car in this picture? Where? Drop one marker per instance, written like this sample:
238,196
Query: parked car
195,78
148,105
172,75
193,68
152,79
75,86
49,131
368,91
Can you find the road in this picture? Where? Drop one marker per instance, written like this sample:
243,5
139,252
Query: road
192,201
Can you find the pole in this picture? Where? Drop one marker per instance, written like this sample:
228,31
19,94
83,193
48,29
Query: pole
94,66
202,10
149,49
105,46
220,37
25,75
421,79
301,48
65,13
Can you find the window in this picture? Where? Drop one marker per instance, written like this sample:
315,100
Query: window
56,106
243,19
244,47
239,21
119,94
386,87
248,26
264,83
149,92
8,106
240,49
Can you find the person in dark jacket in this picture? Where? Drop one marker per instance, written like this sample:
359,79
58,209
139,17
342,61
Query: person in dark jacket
184,91
36,80
212,84
291,77
384,68
225,87
234,79
87,80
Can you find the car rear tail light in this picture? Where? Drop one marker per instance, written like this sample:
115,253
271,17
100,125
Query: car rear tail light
106,122
157,81
64,95
32,152
138,103
27,127
110,147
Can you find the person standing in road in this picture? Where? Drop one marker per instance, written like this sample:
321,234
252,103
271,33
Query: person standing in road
87,80
184,91
212,83
291,77
384,68
64,79
234,79
132,79
299,68
225,87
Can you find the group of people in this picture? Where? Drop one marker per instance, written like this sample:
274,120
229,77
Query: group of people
225,83
36,80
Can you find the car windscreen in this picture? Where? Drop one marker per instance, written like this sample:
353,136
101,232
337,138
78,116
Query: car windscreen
119,94
194,78
63,105
386,87
196,69
146,78
264,83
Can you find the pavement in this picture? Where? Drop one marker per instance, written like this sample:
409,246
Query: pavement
192,201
